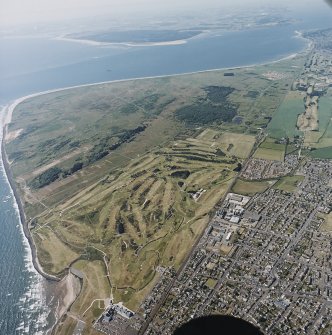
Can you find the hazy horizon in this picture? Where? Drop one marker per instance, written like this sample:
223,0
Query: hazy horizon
15,13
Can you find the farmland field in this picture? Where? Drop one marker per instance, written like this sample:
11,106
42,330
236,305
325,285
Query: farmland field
284,121
270,150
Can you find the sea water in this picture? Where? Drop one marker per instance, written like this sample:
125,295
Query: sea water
30,65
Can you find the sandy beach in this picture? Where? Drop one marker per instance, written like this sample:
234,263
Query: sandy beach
125,44
67,291
6,164
7,117
68,284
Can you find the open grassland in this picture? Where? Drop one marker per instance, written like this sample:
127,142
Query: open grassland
55,254
95,286
68,326
118,178
250,187
327,225
86,126
322,137
239,145
289,183
147,215
271,151
321,141
284,121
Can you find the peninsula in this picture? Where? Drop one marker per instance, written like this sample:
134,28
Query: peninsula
155,195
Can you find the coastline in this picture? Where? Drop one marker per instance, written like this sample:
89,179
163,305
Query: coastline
11,107
67,287
6,120
119,44
23,221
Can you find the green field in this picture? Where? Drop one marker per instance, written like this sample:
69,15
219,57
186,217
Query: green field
284,121
289,184
239,145
211,283
324,153
250,187
321,141
270,150
327,225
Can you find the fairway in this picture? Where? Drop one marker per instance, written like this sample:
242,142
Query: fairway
239,145
122,178
146,215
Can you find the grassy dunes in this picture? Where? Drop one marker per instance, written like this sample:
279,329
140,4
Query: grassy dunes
146,215
124,185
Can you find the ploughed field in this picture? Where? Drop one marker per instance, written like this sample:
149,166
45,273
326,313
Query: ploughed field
120,178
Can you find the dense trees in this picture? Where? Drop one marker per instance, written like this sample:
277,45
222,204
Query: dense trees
46,177
214,108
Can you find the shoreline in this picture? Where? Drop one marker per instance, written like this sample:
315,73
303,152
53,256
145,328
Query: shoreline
120,44
7,118
22,217
9,109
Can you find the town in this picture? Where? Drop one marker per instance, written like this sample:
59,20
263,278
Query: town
266,259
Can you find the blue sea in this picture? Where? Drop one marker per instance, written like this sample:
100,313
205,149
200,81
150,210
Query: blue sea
29,65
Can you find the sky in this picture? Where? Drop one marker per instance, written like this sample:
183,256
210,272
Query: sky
34,11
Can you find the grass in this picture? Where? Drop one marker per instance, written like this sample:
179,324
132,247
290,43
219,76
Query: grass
67,327
289,183
53,252
239,145
271,151
130,204
323,137
284,122
327,225
324,153
95,286
152,200
321,141
269,154
250,187
211,283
